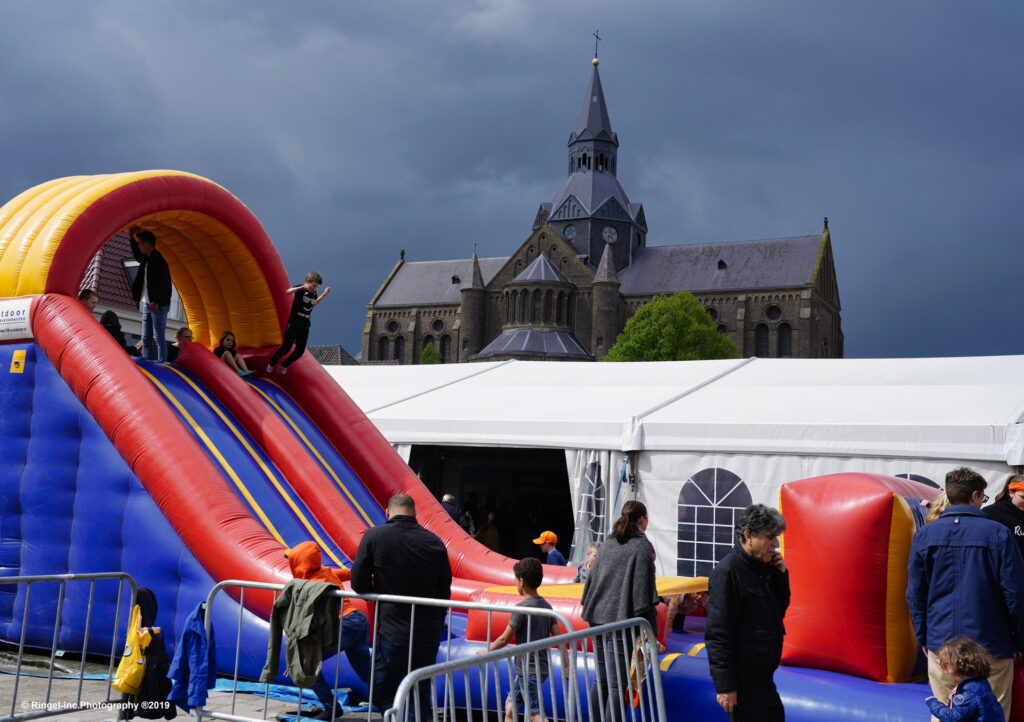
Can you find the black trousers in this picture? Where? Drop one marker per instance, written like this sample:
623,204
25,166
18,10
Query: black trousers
607,700
296,333
757,700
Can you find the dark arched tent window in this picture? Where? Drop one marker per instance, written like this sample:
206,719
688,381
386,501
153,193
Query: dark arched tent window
400,349
383,347
535,311
548,300
761,341
785,333
446,349
709,503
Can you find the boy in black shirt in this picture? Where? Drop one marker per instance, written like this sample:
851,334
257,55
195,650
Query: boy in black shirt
297,332
530,672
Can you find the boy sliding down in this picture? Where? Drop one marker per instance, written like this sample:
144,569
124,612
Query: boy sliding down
531,670
297,332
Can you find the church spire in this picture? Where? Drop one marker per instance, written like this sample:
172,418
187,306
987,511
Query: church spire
593,123
478,277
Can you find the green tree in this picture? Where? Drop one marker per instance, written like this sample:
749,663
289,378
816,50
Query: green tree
671,328
430,355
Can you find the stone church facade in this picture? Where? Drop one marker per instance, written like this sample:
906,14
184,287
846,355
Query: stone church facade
568,290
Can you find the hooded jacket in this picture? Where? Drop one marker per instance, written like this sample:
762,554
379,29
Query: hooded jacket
1004,512
194,667
151,701
307,613
966,577
305,561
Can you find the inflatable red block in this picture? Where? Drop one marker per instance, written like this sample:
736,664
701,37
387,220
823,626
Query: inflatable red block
846,545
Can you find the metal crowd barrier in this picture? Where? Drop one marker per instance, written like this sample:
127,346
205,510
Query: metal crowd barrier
625,686
414,602
48,707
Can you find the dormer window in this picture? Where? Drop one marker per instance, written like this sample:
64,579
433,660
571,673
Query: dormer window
456,280
722,265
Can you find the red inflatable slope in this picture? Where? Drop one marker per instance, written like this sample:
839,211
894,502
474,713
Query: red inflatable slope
185,485
321,495
385,474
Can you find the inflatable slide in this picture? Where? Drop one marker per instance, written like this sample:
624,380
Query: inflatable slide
185,475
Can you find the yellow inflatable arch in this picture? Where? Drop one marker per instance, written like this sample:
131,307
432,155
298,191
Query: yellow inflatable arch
227,272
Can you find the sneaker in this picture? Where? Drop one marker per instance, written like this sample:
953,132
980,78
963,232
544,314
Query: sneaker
246,373
326,714
284,370
269,369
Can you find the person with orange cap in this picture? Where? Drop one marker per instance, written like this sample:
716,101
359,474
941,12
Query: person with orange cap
1008,508
305,562
547,541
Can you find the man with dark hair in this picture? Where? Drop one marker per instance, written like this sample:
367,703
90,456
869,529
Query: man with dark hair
89,299
151,288
748,598
966,577
401,557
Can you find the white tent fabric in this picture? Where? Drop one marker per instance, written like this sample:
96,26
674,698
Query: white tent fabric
762,421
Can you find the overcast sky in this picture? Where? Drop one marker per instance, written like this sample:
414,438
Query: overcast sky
355,129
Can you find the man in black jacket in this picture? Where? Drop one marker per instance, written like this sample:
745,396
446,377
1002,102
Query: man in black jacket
401,557
1008,508
151,288
749,595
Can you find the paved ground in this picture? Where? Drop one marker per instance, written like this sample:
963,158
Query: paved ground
64,694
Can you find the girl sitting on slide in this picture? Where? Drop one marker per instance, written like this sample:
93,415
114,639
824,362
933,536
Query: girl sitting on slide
228,352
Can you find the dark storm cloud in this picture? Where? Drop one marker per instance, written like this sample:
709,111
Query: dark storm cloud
355,129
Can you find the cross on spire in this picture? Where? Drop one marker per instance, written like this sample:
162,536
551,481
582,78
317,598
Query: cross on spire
597,39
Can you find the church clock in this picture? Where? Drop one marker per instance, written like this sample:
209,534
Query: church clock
609,234
569,232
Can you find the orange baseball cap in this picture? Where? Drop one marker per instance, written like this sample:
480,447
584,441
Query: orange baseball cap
546,537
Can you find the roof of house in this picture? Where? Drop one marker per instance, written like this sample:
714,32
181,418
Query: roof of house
332,355
105,274
744,265
432,282
541,270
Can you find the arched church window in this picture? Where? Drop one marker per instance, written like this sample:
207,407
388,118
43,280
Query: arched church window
522,306
535,310
713,313
548,299
400,349
613,165
773,313
785,333
508,307
722,328
428,341
709,503
392,327
383,348
446,349
570,312
437,326
761,341
560,308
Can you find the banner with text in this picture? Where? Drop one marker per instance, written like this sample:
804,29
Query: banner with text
14,318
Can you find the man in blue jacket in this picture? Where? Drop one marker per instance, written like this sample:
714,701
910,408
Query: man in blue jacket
966,577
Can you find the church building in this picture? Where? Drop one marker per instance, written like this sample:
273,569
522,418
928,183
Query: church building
568,290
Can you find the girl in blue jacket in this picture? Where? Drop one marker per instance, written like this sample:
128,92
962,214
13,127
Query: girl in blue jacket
967,662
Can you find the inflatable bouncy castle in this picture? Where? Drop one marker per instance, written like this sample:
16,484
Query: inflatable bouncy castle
185,475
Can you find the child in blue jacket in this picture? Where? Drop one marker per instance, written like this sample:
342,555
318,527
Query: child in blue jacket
967,662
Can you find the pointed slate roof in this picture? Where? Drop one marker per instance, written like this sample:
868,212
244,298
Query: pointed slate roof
606,268
478,277
528,342
592,189
594,123
541,270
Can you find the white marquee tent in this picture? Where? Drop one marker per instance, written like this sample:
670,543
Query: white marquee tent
707,437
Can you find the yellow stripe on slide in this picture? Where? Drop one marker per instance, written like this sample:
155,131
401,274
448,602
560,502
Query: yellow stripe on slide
216,454
309,445
667,660
695,650
266,470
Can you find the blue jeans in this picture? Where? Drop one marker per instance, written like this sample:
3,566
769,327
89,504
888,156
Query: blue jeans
355,643
391,663
524,689
154,327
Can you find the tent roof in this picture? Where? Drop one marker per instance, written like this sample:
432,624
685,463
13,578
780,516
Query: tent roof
949,408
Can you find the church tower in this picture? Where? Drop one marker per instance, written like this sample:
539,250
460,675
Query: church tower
591,210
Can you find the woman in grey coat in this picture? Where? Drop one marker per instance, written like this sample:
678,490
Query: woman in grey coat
621,586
